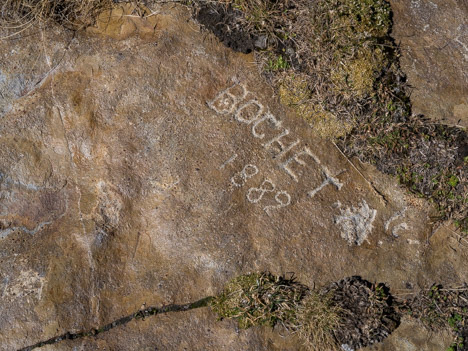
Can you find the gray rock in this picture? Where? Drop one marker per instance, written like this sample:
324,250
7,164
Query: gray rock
261,42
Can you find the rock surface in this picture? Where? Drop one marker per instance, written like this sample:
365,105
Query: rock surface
434,41
144,163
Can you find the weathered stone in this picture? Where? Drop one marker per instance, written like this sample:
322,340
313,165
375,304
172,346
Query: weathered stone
411,336
150,169
434,41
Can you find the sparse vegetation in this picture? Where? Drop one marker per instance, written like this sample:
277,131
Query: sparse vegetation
265,299
350,312
440,308
19,14
369,312
260,299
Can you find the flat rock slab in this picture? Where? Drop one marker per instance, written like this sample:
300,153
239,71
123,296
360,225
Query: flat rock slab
144,167
433,36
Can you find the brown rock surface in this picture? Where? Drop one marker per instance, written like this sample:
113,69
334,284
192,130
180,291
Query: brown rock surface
193,330
434,40
135,169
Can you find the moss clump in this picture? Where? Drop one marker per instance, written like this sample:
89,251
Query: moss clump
351,37
357,75
362,19
259,299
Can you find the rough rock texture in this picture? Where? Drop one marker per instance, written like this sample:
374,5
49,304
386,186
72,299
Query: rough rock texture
141,163
412,336
434,40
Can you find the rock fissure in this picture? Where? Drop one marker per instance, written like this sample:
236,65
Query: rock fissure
140,314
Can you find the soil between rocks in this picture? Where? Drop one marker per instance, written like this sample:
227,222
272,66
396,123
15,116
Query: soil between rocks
223,21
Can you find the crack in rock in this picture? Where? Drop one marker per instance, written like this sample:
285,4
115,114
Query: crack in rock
141,314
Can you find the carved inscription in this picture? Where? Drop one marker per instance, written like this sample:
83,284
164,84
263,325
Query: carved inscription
254,194
240,178
290,153
356,223
399,227
296,161
282,198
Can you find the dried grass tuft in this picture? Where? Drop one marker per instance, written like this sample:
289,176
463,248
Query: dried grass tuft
18,15
260,299
317,319
265,299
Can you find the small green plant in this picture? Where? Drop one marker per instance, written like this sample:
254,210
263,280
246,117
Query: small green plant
457,345
454,320
380,292
277,64
434,293
453,181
